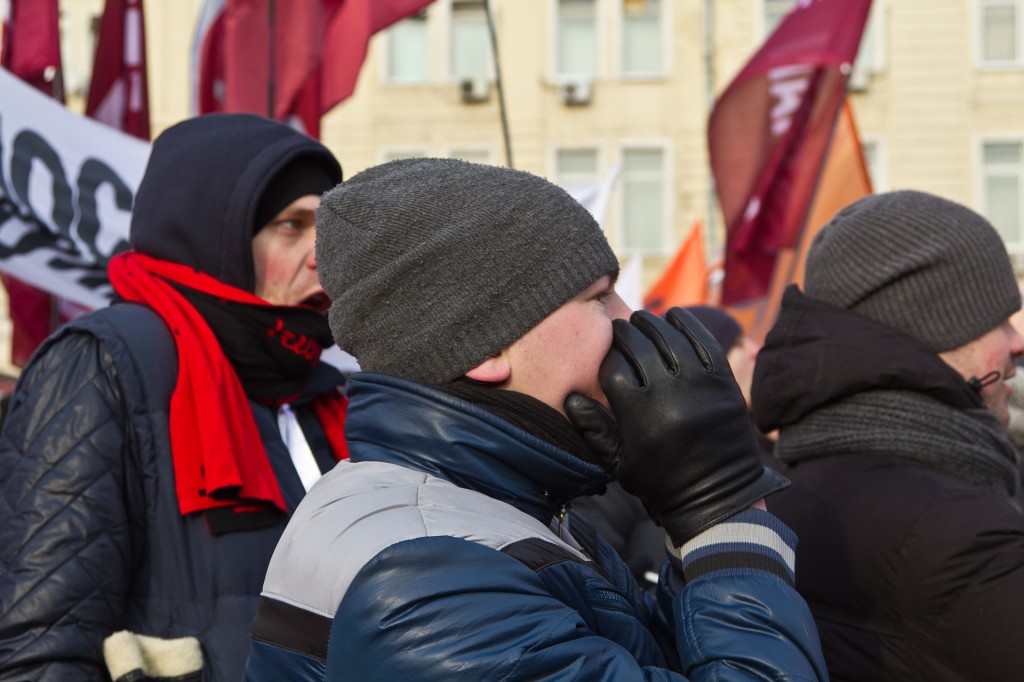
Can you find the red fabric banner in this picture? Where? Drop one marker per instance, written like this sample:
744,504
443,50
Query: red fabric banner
119,93
318,50
31,51
685,281
844,179
348,37
769,133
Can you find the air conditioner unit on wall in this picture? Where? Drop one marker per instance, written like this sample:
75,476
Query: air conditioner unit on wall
475,90
576,93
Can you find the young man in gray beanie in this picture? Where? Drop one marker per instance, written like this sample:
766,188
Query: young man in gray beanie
888,380
481,302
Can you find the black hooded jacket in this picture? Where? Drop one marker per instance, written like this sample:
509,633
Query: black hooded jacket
91,539
911,573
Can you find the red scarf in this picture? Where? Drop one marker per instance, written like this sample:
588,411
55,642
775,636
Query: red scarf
219,458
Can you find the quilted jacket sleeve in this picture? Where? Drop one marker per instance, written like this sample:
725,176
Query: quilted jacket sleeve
66,535
452,610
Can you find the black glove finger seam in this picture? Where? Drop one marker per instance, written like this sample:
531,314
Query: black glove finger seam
682,320
653,327
624,345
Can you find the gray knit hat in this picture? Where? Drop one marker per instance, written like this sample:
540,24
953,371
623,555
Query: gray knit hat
926,266
434,265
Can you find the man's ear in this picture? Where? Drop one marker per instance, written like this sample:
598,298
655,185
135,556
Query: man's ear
493,370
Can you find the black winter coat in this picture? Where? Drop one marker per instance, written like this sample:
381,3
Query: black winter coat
91,540
911,573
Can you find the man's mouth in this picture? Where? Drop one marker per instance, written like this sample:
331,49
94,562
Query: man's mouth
318,302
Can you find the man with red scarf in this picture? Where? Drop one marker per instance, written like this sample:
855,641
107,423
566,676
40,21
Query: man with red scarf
154,450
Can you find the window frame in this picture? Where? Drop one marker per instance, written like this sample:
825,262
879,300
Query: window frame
449,42
668,200
489,150
586,146
403,152
879,182
386,76
554,44
983,64
665,69
981,199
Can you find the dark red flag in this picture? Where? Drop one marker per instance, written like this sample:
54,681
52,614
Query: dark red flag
348,37
770,130
318,48
31,51
118,93
31,48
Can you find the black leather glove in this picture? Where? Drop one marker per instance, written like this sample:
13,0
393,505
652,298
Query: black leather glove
681,439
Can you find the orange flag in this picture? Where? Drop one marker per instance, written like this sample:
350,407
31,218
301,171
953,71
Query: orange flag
685,280
844,179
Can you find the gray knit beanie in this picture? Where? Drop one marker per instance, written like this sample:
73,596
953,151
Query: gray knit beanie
434,265
926,266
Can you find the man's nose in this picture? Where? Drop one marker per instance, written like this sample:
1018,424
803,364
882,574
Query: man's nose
311,256
617,308
1016,342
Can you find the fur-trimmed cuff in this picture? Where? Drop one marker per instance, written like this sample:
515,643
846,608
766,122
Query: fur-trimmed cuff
132,658
752,540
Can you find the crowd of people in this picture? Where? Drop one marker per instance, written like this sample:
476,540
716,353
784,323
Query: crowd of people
526,479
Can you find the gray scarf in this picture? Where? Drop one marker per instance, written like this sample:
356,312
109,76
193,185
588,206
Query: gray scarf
968,444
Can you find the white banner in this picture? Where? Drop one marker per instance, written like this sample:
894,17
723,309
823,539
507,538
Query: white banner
66,190
595,196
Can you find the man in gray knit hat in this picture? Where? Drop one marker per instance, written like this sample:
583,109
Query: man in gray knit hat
481,302
888,381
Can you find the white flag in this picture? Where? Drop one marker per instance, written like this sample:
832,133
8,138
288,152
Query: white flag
66,189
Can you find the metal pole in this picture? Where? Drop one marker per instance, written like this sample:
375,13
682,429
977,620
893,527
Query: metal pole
271,56
709,77
498,83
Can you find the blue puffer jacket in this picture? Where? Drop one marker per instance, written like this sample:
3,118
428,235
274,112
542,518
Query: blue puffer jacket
441,552
91,540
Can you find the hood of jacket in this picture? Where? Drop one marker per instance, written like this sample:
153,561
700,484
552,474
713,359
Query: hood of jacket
197,200
402,422
818,354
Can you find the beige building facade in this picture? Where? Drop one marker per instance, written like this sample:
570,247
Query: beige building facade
596,85
593,87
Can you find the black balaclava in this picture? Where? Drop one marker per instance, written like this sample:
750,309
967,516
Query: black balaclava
204,184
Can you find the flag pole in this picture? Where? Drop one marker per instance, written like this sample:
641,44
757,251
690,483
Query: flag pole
709,77
498,83
271,47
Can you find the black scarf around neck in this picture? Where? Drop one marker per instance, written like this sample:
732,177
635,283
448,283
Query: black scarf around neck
967,444
838,383
526,412
273,349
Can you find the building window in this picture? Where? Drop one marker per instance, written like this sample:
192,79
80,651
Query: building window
576,167
774,12
577,39
471,155
408,56
79,34
642,38
1003,188
872,151
870,57
643,200
999,28
398,154
470,48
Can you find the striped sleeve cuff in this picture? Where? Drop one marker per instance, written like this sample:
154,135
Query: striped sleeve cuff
752,540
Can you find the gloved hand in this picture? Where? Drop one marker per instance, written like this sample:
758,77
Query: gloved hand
681,439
